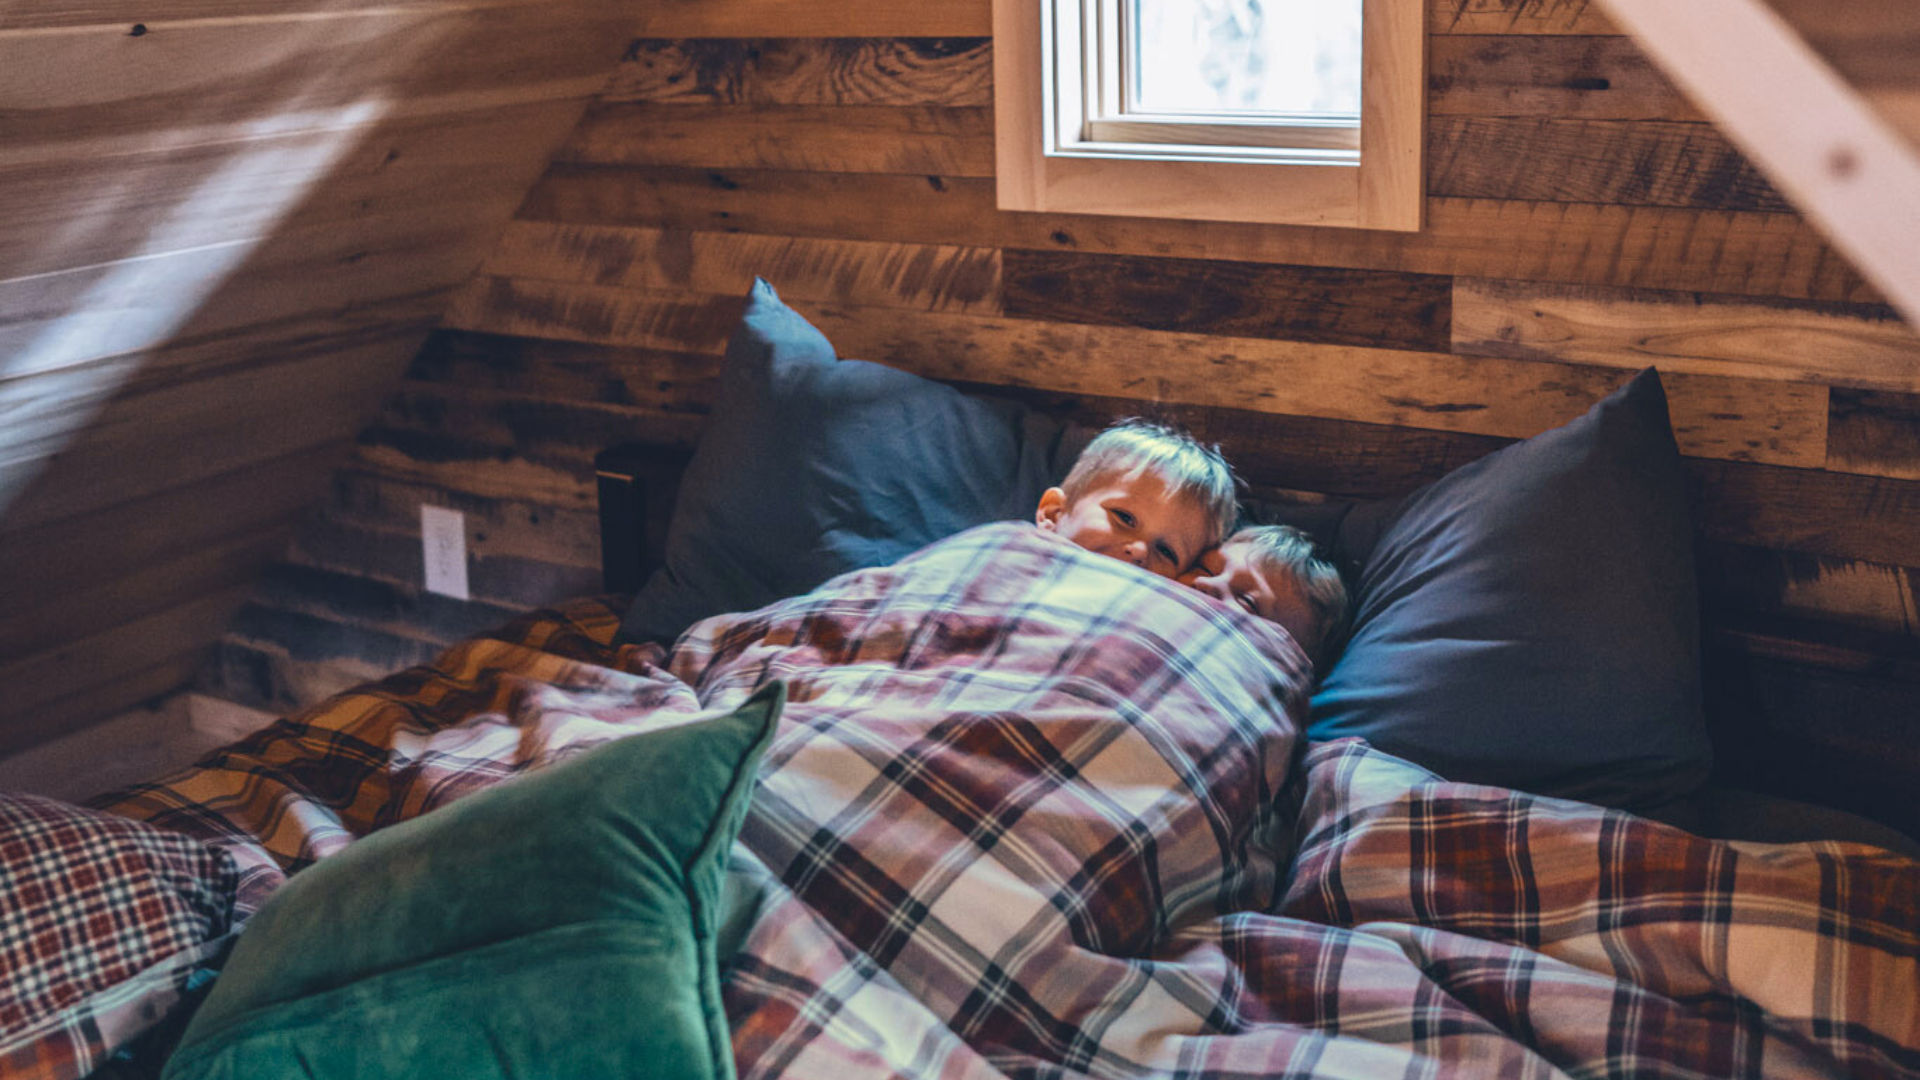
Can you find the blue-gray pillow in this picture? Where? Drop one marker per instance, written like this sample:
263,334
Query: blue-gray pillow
561,925
1531,619
813,466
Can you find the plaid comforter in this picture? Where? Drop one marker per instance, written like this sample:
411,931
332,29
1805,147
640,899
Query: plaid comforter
1032,813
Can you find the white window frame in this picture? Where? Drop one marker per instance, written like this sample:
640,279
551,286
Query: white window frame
1060,147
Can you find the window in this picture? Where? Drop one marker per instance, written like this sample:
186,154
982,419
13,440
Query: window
1275,111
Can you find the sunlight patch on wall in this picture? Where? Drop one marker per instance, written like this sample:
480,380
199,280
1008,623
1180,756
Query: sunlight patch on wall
84,332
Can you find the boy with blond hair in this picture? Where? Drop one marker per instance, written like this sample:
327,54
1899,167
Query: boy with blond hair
1145,493
1272,571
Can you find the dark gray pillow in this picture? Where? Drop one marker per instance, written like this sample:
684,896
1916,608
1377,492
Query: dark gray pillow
813,466
1531,619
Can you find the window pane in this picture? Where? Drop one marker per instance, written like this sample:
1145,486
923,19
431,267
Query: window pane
1256,56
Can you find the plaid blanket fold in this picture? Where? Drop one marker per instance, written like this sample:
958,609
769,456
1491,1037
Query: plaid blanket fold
1034,813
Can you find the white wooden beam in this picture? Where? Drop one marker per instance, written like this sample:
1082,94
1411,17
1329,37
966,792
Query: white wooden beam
1820,142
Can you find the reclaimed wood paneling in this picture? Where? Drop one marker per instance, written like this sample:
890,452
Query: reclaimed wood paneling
1753,253
1616,162
222,79
1743,579
183,434
59,14
1517,17
152,586
805,19
41,679
223,232
1294,303
655,381
68,212
1746,420
931,276
1808,510
953,72
54,560
1863,346
1875,432
1564,78
102,695
916,139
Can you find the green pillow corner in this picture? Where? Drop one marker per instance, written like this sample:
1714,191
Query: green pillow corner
562,925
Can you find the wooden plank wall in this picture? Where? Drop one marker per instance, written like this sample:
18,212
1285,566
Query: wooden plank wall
1584,222
224,230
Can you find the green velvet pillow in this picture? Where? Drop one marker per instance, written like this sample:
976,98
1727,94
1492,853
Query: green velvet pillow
561,925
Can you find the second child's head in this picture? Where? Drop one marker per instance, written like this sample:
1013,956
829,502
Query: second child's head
1272,571
1145,493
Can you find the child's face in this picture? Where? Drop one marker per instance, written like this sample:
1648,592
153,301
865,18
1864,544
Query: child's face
1229,573
1133,518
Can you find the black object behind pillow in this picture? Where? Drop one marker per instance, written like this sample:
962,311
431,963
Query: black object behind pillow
814,466
1531,619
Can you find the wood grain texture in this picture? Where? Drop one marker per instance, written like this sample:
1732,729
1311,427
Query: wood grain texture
654,381
916,139
1740,580
1833,345
61,669
935,277
1643,163
50,561
223,237
1517,17
360,180
1875,432
176,435
801,19
1552,76
102,696
92,603
1807,510
1293,303
953,72
1733,419
1764,254
18,18
294,659
1736,419
102,91
522,553
401,611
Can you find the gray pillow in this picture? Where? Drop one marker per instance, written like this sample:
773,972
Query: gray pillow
1531,619
813,466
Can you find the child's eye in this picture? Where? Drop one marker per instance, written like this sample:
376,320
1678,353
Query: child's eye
1168,554
1124,518
1246,601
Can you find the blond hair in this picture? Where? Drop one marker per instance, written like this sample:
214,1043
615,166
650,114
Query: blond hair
1190,468
1276,548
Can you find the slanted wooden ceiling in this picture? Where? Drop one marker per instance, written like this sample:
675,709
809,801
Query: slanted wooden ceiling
225,226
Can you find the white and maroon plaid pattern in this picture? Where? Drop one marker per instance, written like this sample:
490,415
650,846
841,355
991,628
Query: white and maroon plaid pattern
90,905
1033,814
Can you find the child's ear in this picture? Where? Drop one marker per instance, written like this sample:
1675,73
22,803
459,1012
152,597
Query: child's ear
1053,503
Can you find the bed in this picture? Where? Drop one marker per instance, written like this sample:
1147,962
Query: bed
829,800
